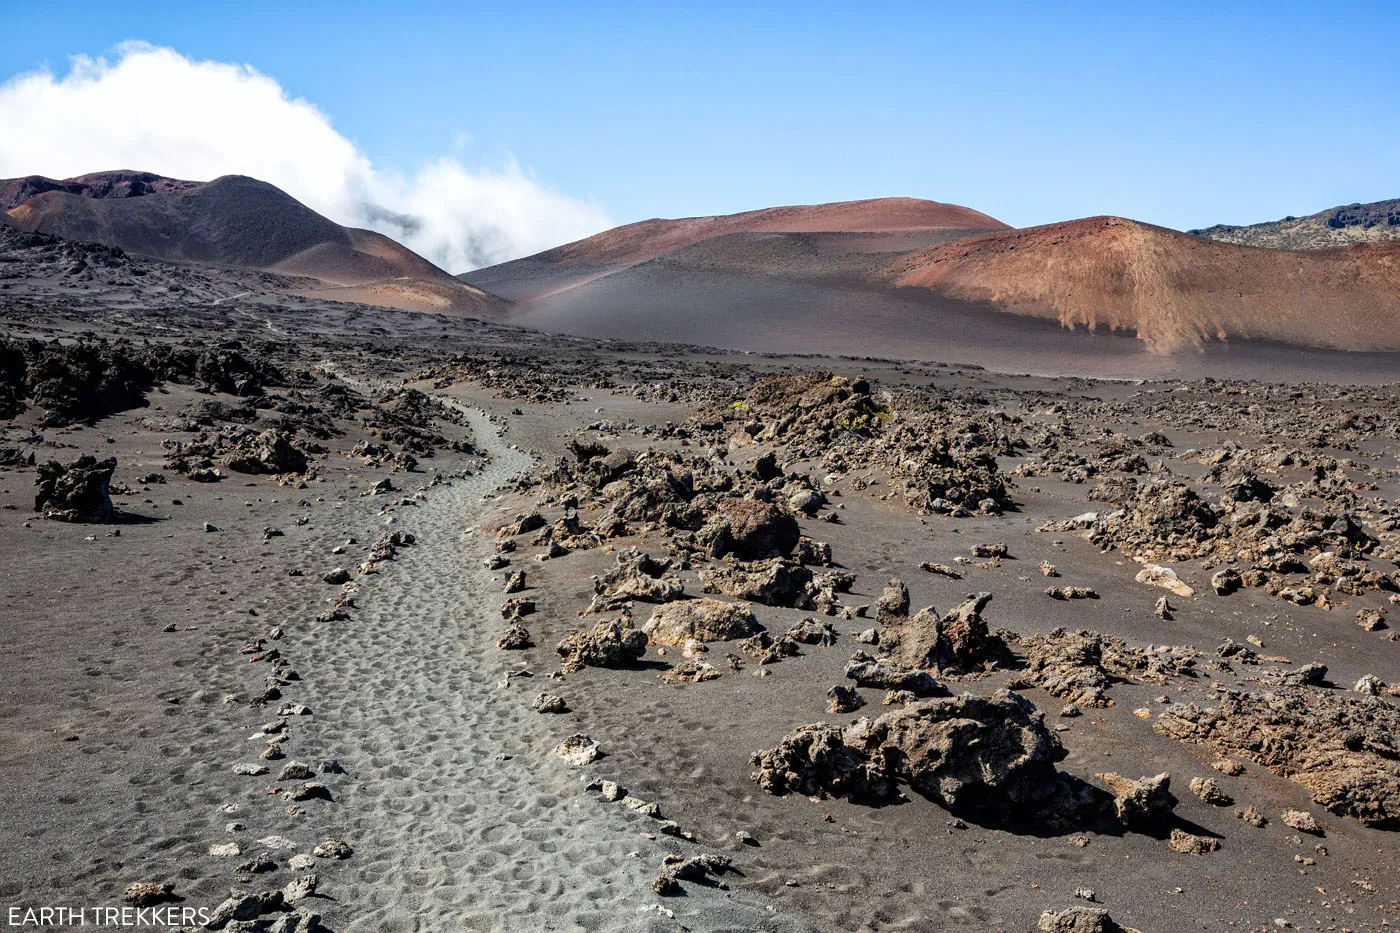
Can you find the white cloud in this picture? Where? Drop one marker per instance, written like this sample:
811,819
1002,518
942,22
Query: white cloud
153,109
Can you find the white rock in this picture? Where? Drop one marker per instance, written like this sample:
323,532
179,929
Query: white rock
277,842
577,749
1166,578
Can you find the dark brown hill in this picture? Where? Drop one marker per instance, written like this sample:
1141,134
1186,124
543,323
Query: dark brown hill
118,184
240,222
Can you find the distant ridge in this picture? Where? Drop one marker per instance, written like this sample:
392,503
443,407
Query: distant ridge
886,223
1376,222
119,184
648,239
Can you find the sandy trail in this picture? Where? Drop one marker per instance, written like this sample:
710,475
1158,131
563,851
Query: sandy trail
459,815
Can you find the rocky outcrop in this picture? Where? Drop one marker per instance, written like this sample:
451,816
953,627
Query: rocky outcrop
601,465
693,671
635,577
88,380
1166,578
893,605
811,632
778,583
944,464
148,893
1344,749
815,761
1081,666
956,643
240,449
702,620
1141,803
607,644
966,749
269,451
753,530
867,671
957,751
516,638
1079,920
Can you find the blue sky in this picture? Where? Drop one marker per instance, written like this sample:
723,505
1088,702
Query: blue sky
1182,114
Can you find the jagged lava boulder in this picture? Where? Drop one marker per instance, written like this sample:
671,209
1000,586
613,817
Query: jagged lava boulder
814,760
608,644
76,492
956,643
958,751
753,530
966,749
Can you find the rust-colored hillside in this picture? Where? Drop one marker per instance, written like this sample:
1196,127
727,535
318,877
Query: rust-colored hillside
1172,289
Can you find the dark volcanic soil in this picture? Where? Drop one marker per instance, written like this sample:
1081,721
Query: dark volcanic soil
717,308
162,654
